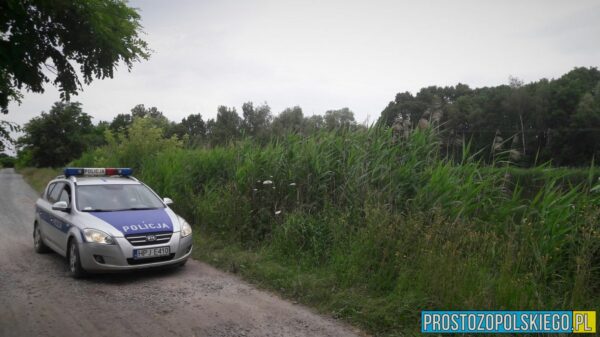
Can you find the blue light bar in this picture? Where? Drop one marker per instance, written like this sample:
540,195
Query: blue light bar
73,171
97,171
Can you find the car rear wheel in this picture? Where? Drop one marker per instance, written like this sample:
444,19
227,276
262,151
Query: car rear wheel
38,243
75,269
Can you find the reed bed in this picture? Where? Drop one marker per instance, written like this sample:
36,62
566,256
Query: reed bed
373,228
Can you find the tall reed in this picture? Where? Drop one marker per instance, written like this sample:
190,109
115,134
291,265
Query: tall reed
381,227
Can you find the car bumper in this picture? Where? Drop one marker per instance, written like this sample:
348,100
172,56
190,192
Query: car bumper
119,256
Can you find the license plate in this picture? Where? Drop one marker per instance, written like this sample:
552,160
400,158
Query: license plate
151,252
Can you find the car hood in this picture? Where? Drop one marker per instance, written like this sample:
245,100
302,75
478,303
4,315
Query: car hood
137,221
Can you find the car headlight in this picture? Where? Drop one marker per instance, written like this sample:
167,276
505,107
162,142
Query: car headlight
96,236
186,229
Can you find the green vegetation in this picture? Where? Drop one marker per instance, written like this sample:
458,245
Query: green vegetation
94,34
373,227
373,224
554,120
43,41
57,137
5,138
550,121
6,161
38,178
429,209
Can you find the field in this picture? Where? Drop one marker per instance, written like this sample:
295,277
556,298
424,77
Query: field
372,228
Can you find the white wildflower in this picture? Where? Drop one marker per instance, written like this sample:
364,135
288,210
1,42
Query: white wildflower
267,182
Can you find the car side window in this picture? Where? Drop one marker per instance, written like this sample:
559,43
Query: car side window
47,197
65,195
55,193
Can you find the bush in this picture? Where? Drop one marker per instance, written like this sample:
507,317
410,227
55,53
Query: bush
6,161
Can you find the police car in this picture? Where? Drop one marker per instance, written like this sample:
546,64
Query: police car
104,219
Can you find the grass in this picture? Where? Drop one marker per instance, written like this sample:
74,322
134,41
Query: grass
38,178
372,229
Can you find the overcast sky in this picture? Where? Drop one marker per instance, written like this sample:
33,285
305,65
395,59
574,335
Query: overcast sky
325,55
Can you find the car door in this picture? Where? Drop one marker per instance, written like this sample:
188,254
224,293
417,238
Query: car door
63,219
44,208
54,229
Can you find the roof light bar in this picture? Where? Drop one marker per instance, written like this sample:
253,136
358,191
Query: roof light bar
97,171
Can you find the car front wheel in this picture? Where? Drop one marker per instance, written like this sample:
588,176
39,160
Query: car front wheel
75,269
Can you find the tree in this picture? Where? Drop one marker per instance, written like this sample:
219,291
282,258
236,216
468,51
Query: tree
5,129
313,124
38,35
226,127
193,126
59,136
555,120
406,106
584,139
120,123
155,116
289,120
257,120
336,119
6,160
96,137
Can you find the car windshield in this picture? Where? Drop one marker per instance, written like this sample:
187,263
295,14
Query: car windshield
110,198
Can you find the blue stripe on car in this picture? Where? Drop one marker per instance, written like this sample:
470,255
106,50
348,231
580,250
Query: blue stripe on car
137,221
54,221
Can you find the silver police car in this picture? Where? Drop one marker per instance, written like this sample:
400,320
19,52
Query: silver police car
104,219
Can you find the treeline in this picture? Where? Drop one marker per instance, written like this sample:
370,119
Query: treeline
556,121
549,120
66,131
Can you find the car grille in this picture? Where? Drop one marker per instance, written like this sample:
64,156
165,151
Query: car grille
143,240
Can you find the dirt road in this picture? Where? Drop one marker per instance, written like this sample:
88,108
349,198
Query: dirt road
37,298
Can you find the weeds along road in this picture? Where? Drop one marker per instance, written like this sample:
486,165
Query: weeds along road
37,298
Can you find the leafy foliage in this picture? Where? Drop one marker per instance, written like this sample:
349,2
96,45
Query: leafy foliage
556,120
121,123
193,127
336,119
289,120
59,136
143,140
5,130
6,160
56,35
257,121
226,127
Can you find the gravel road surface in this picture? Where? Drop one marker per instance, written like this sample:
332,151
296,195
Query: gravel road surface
38,298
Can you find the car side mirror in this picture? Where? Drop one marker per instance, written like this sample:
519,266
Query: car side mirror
61,206
167,201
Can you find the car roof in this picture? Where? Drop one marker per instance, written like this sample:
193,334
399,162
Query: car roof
102,180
